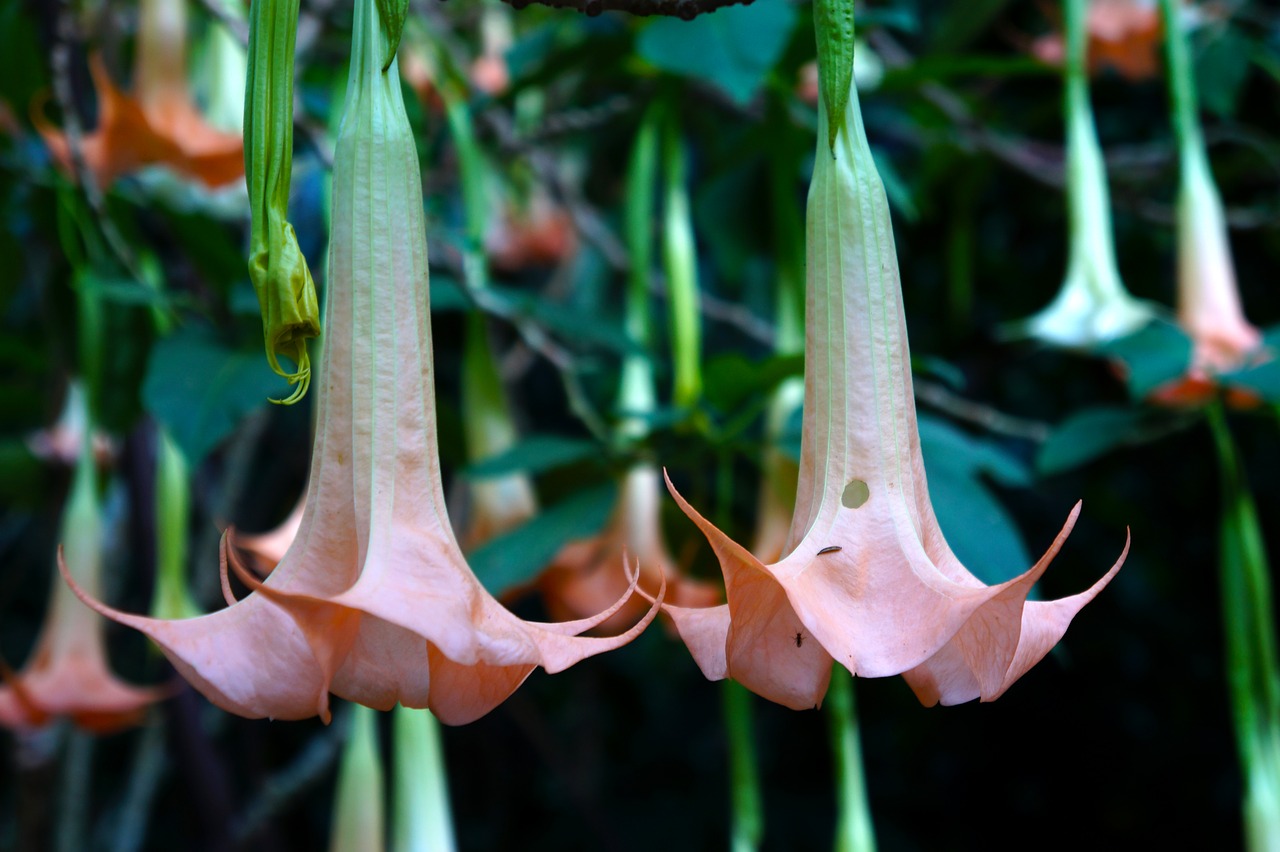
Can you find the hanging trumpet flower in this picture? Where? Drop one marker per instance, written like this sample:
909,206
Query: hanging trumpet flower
1093,306
374,600
871,581
68,674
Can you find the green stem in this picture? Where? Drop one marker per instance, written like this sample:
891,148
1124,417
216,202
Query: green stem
1252,671
422,820
1182,85
854,829
171,598
747,819
358,815
636,394
680,264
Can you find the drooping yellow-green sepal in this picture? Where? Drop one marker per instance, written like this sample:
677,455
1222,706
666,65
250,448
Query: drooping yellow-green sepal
286,292
392,14
833,27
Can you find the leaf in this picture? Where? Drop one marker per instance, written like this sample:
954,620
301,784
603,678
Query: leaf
517,557
1262,379
200,389
1088,434
733,49
731,379
976,525
1157,353
534,454
1221,70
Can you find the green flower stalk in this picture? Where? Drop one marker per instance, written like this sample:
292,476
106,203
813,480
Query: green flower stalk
226,69
1253,664
422,819
1093,305
854,829
171,597
286,291
358,814
681,265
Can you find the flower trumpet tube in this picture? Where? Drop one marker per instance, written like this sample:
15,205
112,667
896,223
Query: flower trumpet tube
1208,302
1093,306
870,581
68,674
374,600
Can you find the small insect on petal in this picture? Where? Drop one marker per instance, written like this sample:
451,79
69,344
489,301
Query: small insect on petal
833,548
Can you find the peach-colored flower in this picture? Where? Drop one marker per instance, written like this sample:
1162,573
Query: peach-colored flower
1209,309
159,124
1124,36
374,600
870,580
584,577
61,441
539,234
68,674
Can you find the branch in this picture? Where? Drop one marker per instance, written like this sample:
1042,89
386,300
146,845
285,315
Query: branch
684,9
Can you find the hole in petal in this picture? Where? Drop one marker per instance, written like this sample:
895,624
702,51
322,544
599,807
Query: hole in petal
855,494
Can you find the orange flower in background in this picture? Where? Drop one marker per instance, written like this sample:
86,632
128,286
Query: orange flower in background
870,582
159,124
1124,36
68,674
584,577
374,600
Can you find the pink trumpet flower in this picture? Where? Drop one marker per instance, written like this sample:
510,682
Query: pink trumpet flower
584,577
374,600
1209,309
68,674
868,578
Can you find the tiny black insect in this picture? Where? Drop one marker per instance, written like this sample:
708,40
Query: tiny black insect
799,639
834,548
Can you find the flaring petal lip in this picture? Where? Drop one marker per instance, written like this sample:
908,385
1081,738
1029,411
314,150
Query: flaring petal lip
871,582
373,600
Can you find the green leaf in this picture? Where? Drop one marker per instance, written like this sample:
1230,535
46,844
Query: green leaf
733,49
975,524
517,557
1088,434
1157,353
200,389
731,379
1262,379
1221,70
534,454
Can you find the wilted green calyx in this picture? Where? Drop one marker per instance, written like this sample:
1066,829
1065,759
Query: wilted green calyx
391,15
833,26
286,292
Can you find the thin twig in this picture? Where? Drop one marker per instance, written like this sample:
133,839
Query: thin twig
982,415
150,762
60,70
281,790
